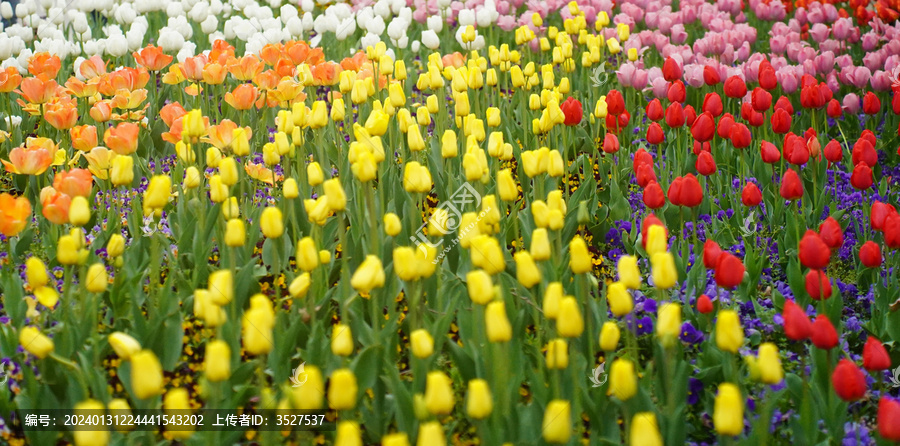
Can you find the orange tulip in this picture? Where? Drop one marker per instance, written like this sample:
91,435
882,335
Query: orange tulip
76,182
285,68
266,80
84,137
287,91
44,64
354,63
297,51
102,111
61,115
245,68
152,58
38,90
260,172
192,67
174,76
14,214
172,111
29,160
326,73
122,138
270,53
82,89
9,79
242,97
221,52
128,100
221,136
55,205
93,67
454,59
214,73
128,78
174,134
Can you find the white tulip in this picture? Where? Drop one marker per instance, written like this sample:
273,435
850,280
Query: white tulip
435,23
466,17
383,9
430,39
294,26
376,26
170,40
307,5
209,25
288,12
397,29
6,10
415,46
346,28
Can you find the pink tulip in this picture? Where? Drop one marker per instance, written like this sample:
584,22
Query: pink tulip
869,41
825,62
819,32
881,81
851,103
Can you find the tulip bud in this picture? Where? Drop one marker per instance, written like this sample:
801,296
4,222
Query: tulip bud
619,299
629,274
235,233
540,244
36,272
480,286
157,194
146,375
569,322
557,425
431,434
341,340
668,323
622,379
79,211
272,222
644,428
334,194
609,336
309,396
769,364
498,327
115,246
96,279
67,250
124,345
217,361
662,267
221,287
342,390
728,415
439,397
314,174
299,286
557,354
527,273
421,343
34,342
122,172
392,225
729,334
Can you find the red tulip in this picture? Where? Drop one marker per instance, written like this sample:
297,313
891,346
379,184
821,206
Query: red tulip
740,136
785,104
861,178
729,271
818,286
674,193
645,175
889,414
676,92
869,136
781,121
769,153
813,252
674,115
831,233
655,134
610,143
871,104
641,157
767,78
571,107
824,335
761,99
701,147
711,253
864,152
705,164
895,103
791,186
892,231
879,213
848,380
689,115
671,70
751,195
797,326
712,103
875,356
703,127
735,87
710,76
615,103
870,254
704,304
834,109
812,96
615,123
796,151
723,128
654,110
833,151
653,196
691,191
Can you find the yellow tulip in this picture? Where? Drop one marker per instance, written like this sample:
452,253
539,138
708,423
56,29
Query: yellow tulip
421,343
314,174
334,194
146,375
769,362
622,379
668,323
124,345
272,222
527,272
728,414
479,402
629,274
392,225
341,340
347,434
498,327
158,191
122,172
662,268
36,272
645,430
439,398
656,240
369,275
569,322
217,361
88,437
79,211
235,233
95,280
33,341
398,439
557,354
619,299
480,286
431,434
342,390
729,333
609,336
579,257
309,396
557,425
221,287
552,297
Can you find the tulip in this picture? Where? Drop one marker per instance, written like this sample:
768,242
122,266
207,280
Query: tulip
676,92
347,434
217,361
653,196
620,301
662,267
645,430
480,286
35,342
870,254
728,415
889,418
875,356
146,375
705,164
334,195
498,326
569,322
342,390
271,222
668,323
36,273
629,274
813,251
729,270
552,297
310,395
221,287
431,434
235,233
751,195
704,304
439,397
610,143
849,381
557,354
703,127
95,280
341,340
14,214
573,111
656,240
368,276
861,178
398,439
791,186
817,285
729,333
124,345
622,379
88,408
256,326
675,117
796,324
421,343
527,272
557,425
479,402
654,110
824,335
